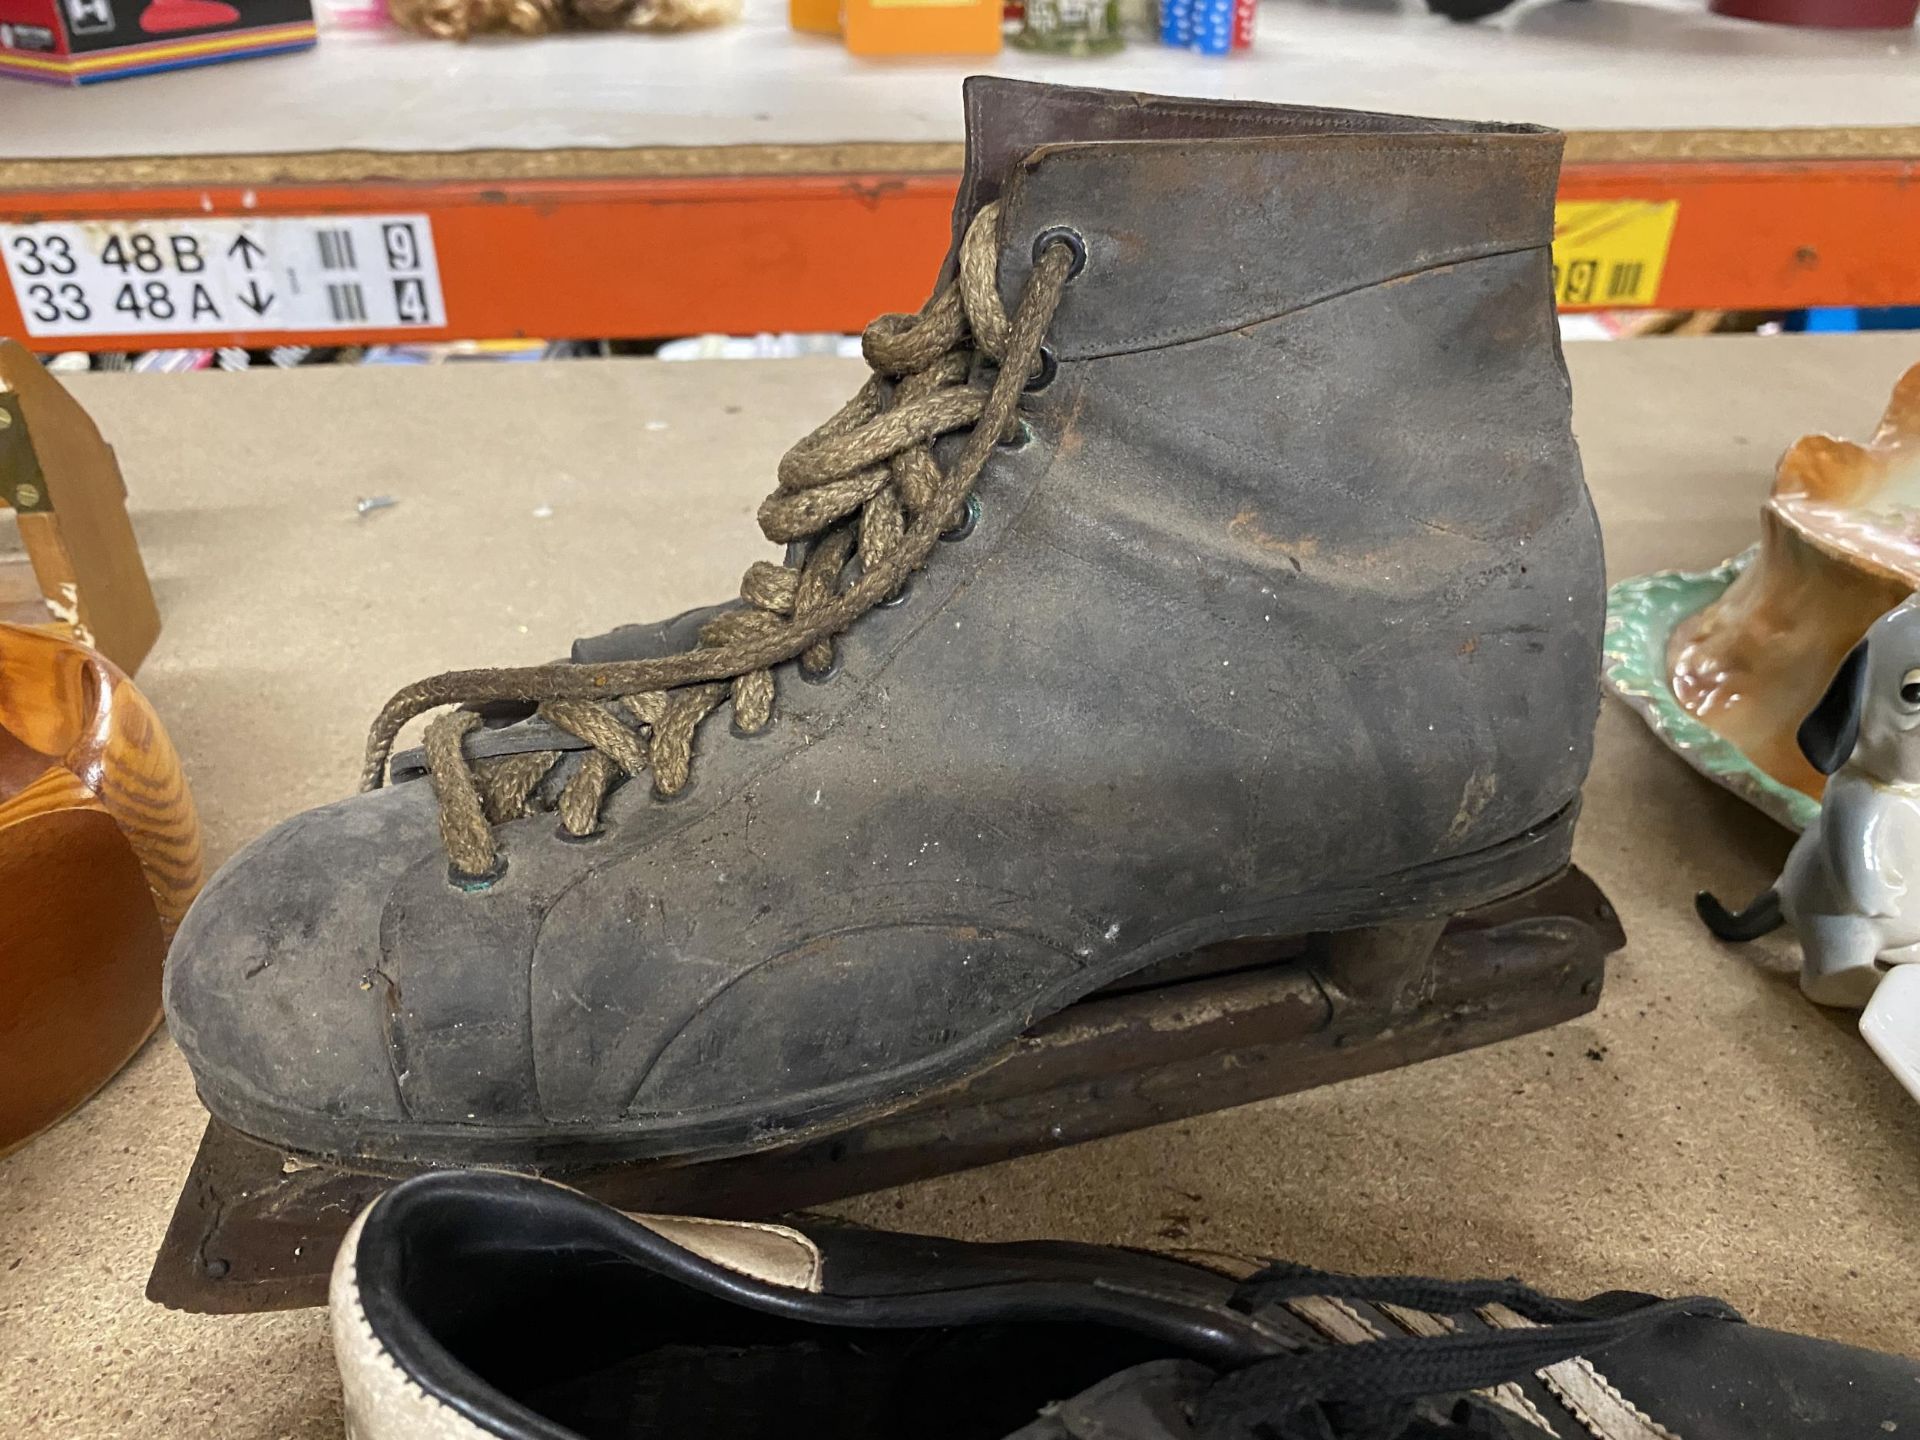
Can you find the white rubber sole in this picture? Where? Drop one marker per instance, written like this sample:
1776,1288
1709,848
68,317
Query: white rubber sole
382,1401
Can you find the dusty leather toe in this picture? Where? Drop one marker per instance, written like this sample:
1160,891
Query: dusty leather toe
274,985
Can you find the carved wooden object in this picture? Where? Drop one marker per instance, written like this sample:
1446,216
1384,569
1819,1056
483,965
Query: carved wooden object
99,859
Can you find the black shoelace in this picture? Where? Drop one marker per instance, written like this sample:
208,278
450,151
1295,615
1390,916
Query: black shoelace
1385,1389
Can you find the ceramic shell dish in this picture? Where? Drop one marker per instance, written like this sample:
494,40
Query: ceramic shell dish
1723,664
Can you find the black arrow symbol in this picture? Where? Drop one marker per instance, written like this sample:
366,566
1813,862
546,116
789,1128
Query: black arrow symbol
254,300
248,250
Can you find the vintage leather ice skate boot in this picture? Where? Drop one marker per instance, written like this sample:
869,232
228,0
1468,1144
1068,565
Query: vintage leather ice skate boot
476,1305
1208,559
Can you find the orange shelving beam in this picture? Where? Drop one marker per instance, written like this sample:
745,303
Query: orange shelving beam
654,255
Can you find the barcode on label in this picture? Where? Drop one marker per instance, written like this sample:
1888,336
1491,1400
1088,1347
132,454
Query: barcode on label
346,303
1611,252
1594,282
1623,279
336,249
230,278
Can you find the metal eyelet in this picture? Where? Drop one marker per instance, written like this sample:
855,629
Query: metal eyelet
1043,376
567,837
733,728
898,597
820,677
474,884
1062,235
969,518
1021,438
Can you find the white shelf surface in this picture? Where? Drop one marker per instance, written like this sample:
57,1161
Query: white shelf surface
1578,64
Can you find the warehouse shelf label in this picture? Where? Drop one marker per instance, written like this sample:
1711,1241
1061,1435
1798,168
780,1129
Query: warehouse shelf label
221,276
1611,252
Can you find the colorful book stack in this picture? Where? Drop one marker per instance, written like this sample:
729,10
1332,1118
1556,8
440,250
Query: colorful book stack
1213,27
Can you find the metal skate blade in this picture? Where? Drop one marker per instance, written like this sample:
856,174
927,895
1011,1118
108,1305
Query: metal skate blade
256,1228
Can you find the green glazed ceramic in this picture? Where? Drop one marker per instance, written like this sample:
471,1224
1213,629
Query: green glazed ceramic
1641,616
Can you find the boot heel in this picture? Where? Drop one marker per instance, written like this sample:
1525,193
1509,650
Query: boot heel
1388,967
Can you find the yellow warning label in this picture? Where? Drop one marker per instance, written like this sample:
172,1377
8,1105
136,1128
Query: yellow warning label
1611,252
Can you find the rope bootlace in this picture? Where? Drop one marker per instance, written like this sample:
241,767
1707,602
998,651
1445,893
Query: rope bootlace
864,485
1371,1390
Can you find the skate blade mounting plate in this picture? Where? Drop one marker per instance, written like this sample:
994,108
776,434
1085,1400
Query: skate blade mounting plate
256,1228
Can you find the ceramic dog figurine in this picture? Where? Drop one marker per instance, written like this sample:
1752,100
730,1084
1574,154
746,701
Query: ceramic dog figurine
1845,889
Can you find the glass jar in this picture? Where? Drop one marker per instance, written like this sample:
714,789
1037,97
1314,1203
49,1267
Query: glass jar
1071,27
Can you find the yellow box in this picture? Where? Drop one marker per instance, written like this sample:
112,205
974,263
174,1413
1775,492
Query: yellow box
817,17
923,27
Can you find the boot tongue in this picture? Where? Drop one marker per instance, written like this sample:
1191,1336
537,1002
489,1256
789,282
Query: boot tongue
1005,120
1009,119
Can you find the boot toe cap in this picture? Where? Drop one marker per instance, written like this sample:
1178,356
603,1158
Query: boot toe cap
274,989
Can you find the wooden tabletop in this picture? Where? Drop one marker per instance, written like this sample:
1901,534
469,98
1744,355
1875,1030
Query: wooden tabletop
1704,1130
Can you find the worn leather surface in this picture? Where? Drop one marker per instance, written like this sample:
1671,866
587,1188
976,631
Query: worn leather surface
1706,1381
1295,587
1008,119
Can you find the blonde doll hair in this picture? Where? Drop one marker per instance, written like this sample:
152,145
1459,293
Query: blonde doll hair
458,19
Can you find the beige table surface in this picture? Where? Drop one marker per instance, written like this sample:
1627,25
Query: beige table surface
1705,1130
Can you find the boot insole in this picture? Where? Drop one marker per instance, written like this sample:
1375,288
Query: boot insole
613,1352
